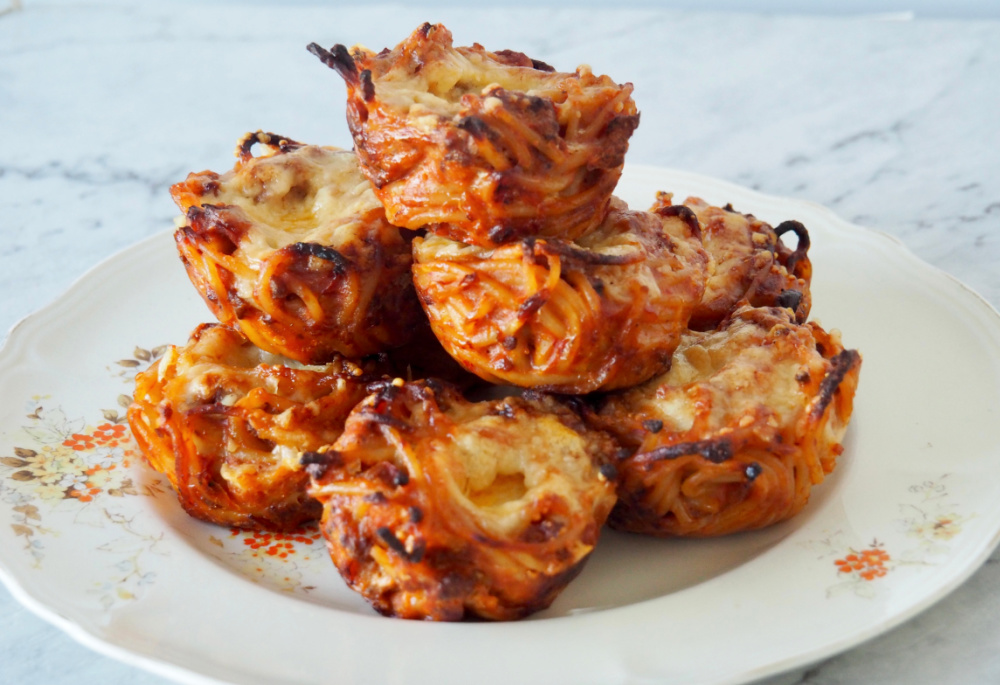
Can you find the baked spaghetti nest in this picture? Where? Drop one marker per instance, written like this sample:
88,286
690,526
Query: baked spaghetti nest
603,312
294,249
483,147
440,508
735,435
225,422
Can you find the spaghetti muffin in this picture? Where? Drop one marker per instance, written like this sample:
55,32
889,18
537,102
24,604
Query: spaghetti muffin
603,312
294,248
483,147
225,422
438,508
749,261
735,435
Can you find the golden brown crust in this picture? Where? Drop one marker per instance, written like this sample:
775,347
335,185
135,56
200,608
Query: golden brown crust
294,248
484,147
604,312
438,508
224,422
748,419
749,261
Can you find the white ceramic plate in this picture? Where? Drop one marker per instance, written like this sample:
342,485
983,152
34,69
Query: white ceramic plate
95,542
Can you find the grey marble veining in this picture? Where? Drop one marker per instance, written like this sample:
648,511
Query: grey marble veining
893,124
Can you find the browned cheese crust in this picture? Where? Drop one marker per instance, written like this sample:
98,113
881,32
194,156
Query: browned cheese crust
748,419
225,421
443,509
483,147
294,248
749,261
604,312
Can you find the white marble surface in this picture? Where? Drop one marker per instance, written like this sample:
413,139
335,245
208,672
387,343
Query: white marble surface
893,124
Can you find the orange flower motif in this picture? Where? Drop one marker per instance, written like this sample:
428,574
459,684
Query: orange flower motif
869,563
79,442
277,545
875,557
110,435
86,495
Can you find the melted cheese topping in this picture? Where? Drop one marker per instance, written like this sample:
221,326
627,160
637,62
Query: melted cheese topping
437,88
743,368
499,466
310,195
214,361
739,247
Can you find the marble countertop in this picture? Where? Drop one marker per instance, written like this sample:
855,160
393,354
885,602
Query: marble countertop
890,121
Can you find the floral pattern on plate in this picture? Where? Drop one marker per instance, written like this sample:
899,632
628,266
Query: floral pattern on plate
286,562
928,521
69,467
64,467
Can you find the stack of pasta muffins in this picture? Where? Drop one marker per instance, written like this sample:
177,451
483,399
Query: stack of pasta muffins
462,354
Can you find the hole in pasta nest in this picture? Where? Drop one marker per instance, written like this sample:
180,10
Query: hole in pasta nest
295,306
503,489
790,240
463,87
299,194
